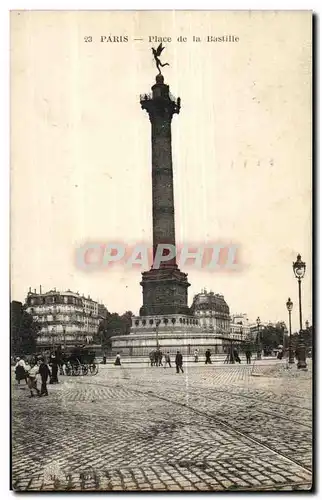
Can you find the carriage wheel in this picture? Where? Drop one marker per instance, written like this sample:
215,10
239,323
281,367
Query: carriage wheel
77,369
84,369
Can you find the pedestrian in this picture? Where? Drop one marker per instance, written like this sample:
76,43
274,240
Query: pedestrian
167,360
104,360
32,378
158,357
151,357
54,370
179,362
20,371
117,361
44,373
196,353
208,354
248,356
236,356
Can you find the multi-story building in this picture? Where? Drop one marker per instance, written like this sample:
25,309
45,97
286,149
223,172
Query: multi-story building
66,318
239,326
212,312
91,319
254,327
102,311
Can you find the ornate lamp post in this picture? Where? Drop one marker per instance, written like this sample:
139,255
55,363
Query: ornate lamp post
289,306
53,332
157,323
259,350
299,268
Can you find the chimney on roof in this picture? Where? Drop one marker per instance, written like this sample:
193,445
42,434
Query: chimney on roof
30,289
35,290
40,289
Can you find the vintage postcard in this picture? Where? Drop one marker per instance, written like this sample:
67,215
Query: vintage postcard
161,251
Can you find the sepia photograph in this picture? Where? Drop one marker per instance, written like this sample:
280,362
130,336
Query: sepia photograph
161,284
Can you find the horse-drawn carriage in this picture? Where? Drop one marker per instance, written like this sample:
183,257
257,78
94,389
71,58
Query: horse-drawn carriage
79,361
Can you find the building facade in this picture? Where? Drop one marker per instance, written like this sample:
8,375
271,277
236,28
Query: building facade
239,326
212,311
102,311
66,318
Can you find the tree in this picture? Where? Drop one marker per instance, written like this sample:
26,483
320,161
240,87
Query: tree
127,322
272,336
307,337
112,325
24,330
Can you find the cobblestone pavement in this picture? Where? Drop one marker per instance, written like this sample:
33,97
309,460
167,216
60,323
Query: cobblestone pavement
211,428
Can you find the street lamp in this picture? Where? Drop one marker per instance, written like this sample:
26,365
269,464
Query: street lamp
259,351
157,322
289,306
299,268
53,338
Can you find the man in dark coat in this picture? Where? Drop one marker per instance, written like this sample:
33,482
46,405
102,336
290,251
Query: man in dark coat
160,355
248,356
44,373
54,370
236,356
179,362
208,354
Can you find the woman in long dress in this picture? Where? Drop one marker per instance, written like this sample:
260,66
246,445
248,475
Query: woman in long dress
20,371
118,360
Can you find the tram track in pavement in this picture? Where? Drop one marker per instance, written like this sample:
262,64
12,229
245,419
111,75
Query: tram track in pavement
256,399
244,396
234,395
228,427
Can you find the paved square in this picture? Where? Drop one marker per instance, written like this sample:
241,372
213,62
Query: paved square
217,427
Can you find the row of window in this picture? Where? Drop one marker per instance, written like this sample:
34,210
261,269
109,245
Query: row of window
60,317
71,331
55,309
77,336
211,313
54,299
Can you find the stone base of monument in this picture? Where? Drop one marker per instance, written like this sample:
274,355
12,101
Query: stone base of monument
169,333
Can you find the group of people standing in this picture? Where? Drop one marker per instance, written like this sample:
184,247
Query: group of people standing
37,367
158,358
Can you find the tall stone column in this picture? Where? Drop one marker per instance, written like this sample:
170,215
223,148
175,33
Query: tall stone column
161,109
164,289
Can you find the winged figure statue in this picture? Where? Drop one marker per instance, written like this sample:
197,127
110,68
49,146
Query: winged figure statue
156,54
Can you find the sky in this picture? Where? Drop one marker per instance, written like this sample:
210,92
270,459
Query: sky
81,152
